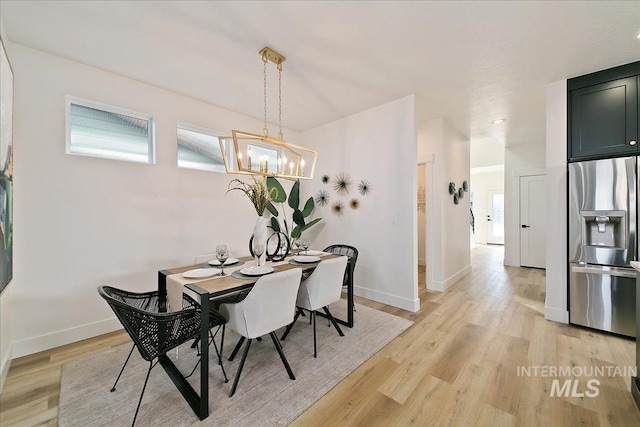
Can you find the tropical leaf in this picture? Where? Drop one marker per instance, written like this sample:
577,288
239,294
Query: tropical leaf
275,224
309,224
294,195
308,207
272,209
276,191
298,218
297,232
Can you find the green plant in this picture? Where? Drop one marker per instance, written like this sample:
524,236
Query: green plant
278,195
257,192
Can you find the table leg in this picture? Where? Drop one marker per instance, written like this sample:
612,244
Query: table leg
204,356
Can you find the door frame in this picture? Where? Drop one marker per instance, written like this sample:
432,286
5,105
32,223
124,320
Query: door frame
512,224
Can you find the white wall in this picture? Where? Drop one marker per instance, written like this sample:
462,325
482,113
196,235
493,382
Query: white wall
480,184
520,160
486,152
5,297
449,252
555,307
378,145
82,222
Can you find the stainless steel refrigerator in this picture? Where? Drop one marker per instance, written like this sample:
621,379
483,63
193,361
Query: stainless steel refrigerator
602,244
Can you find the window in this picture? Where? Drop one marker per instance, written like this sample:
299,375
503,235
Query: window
199,148
99,130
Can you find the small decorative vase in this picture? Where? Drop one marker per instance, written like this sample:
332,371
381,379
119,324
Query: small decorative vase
260,234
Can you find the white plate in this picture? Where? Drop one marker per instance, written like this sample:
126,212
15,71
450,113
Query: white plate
256,270
201,273
229,261
310,252
306,258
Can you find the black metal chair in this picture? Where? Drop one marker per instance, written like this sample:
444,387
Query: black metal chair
351,253
154,333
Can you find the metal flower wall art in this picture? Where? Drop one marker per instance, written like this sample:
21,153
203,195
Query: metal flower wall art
342,183
337,208
322,198
364,187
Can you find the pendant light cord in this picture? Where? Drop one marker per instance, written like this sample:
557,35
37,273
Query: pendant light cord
264,75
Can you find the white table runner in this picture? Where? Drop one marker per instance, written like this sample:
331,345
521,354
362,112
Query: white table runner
176,282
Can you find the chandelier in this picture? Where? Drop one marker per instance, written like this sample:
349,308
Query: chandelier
250,153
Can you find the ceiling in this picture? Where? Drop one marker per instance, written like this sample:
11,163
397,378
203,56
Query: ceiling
471,62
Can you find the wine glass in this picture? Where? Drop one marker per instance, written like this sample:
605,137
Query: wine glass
258,250
222,253
305,244
298,244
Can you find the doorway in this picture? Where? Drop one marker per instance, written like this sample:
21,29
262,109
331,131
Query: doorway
495,217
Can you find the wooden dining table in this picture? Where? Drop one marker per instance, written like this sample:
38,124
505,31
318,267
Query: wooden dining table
216,286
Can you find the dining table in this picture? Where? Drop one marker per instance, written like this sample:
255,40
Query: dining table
208,288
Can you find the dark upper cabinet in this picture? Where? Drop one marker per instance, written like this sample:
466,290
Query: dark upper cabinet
603,116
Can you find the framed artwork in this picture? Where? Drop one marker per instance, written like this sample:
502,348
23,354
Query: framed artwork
6,169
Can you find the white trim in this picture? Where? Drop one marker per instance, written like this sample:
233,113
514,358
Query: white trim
556,314
69,99
443,286
487,169
6,363
426,158
385,298
66,336
511,262
529,172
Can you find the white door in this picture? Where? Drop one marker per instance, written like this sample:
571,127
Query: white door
532,221
495,217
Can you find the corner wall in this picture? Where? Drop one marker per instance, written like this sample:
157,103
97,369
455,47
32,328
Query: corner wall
555,306
448,253
377,145
81,222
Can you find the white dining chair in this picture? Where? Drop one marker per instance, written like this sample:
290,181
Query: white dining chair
321,289
270,305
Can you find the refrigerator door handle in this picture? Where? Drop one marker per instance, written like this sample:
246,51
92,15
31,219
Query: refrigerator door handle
609,271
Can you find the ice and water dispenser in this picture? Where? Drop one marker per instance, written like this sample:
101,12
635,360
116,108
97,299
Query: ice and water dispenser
604,229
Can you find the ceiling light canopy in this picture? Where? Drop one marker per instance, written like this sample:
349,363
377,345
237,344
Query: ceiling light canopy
250,153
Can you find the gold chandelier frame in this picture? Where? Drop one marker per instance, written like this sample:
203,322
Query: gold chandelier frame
252,154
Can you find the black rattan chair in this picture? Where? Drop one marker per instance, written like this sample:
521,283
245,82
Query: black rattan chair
350,252
154,333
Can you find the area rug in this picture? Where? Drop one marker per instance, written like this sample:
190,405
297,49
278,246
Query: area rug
265,395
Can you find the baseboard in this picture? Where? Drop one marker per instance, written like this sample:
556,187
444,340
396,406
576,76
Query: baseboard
556,314
511,262
443,286
6,363
67,336
393,300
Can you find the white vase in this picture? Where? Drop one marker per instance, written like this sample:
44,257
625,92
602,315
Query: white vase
260,234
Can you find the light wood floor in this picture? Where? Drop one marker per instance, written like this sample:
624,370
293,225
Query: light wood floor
457,365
